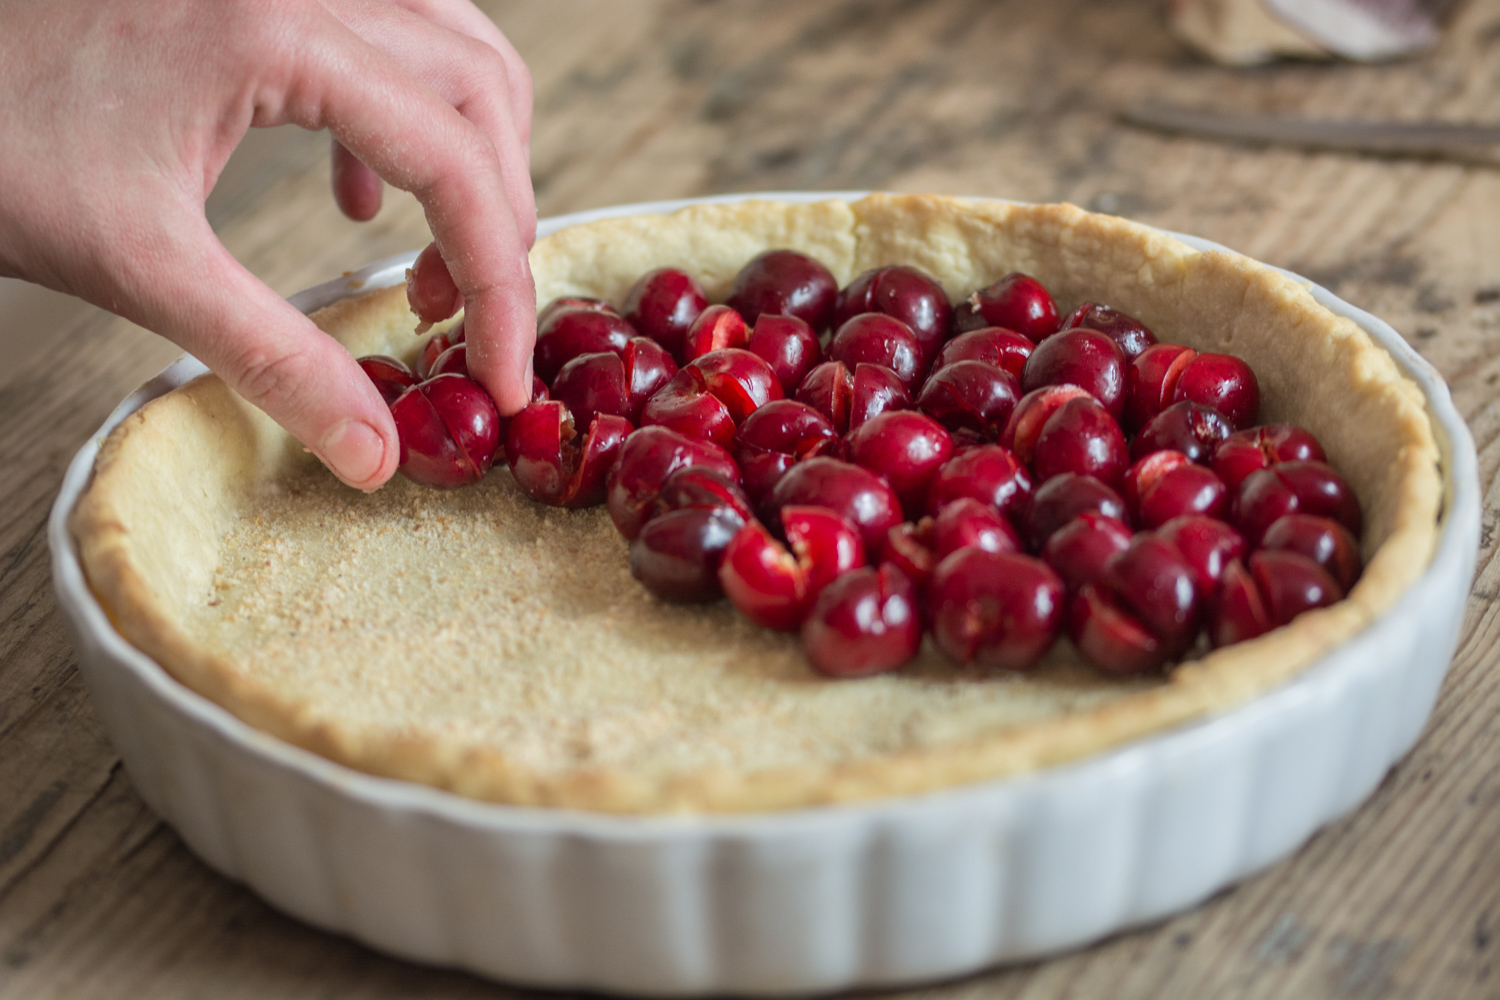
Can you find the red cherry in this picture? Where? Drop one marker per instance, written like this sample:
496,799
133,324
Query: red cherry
1167,484
788,345
709,396
971,397
1239,611
593,383
648,368
876,390
563,302
662,305
763,580
1017,302
1079,550
908,547
968,522
906,293
877,339
701,486
647,458
864,623
1064,497
1151,381
1291,583
1247,451
1188,427
784,282
390,376
1005,349
1130,333
432,349
829,389
551,464
1207,545
677,554
1085,358
715,329
453,361
855,494
1081,437
1321,539
572,332
906,448
1152,580
998,610
1109,636
776,437
430,290
1223,382
449,430
1031,414
987,473
826,545
1293,488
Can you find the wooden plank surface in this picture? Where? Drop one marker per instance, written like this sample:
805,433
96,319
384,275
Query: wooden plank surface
672,98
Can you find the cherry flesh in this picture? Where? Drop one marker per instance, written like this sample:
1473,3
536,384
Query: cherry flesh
1017,302
1031,414
549,461
1081,437
866,622
973,398
1130,333
1223,382
1151,381
775,587
784,282
1293,488
776,437
904,447
430,290
1005,349
663,304
1064,497
997,610
1321,539
1207,545
390,376
1191,428
908,547
1247,451
647,458
716,328
678,553
572,332
788,345
1080,550
1086,358
905,293
877,339
987,473
858,495
1168,484
449,431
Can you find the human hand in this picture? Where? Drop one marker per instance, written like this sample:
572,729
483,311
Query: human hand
124,112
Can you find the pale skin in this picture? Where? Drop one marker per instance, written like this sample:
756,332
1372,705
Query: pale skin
120,115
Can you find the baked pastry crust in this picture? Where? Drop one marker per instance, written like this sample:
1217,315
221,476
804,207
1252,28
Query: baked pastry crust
477,642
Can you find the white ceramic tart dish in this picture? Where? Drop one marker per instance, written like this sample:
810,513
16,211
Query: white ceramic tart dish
775,848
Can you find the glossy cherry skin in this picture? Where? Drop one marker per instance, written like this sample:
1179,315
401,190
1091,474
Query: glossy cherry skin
908,547
430,290
906,449
563,302
994,345
1151,381
1154,581
1207,545
549,461
572,332
997,610
1131,334
1291,583
1031,414
1086,358
662,305
987,473
826,545
1238,611
449,430
453,361
390,376
1080,550
1191,428
1293,488
776,437
1081,437
433,348
1256,448
848,398
1109,636
785,282
877,339
711,395
1321,539
677,554
1223,382
829,389
1017,302
775,587
855,494
606,382
967,522
716,328
906,293
701,486
973,398
1064,497
788,345
866,622
647,458
1167,484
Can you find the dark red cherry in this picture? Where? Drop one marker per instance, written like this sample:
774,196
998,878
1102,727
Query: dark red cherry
776,437
906,293
876,390
1109,636
968,522
647,458
662,305
908,547
1081,437
997,610
1151,381
1130,333
648,368
563,302
1223,382
390,376
716,328
775,587
826,545
1005,349
432,349
1079,550
549,461
829,389
784,282
1238,611
1031,414
1321,539
988,473
593,383
702,486
864,623
1167,484
677,554
449,430
855,494
906,448
1291,583
1154,581
453,361
430,291
1064,497
572,332
877,339
1191,428
1017,302
1293,488
1247,451
1085,358
788,345
711,395
974,398
1207,545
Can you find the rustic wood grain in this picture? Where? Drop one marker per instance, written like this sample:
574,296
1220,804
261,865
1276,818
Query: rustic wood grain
672,98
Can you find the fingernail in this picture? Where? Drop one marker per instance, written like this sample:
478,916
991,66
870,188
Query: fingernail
354,451
530,381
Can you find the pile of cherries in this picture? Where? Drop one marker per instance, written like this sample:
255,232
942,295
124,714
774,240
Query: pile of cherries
865,464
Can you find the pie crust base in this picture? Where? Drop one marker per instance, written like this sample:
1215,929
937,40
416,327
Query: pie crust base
479,642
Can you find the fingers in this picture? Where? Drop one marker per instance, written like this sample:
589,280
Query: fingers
356,188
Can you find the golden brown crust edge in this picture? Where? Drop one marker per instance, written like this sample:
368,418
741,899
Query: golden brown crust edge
1213,301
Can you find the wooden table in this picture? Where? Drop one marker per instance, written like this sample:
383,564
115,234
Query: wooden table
672,98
